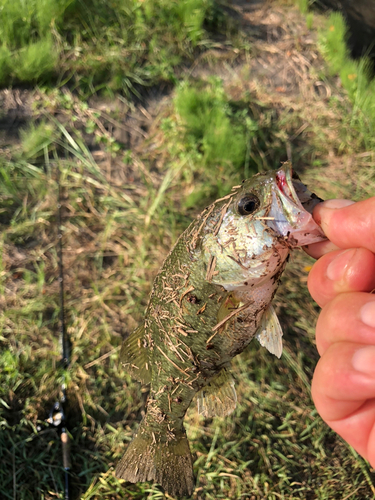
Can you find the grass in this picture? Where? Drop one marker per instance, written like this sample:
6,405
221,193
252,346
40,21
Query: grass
124,204
356,76
116,45
220,133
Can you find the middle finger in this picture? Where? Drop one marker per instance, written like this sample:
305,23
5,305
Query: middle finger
349,317
342,271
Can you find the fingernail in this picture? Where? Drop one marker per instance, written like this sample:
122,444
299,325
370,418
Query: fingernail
363,360
367,314
336,204
337,268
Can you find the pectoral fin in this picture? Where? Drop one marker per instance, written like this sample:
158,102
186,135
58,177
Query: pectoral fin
270,333
135,356
218,398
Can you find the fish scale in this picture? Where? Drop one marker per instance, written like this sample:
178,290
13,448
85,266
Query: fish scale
211,297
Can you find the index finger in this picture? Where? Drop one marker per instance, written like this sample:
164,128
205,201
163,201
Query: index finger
351,226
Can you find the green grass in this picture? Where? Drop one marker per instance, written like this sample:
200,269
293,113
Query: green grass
117,45
356,76
216,137
213,126
122,211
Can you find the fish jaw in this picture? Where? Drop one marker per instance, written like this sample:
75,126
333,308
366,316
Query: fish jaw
291,213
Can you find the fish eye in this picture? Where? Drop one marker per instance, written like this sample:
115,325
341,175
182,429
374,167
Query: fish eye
248,204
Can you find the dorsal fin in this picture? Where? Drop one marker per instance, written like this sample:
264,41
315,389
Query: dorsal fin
269,332
218,398
135,356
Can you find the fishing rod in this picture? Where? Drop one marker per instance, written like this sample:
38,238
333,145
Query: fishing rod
57,416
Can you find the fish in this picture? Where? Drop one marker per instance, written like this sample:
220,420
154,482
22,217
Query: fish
211,297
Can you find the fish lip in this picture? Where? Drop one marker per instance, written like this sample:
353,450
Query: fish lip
290,188
285,199
290,216
284,182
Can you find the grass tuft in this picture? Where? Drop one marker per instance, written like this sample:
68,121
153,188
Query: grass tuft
213,125
36,62
334,42
36,139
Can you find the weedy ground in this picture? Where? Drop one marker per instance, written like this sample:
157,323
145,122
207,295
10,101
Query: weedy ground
144,130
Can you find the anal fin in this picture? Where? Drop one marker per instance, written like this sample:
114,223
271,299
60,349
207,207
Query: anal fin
135,356
270,333
218,398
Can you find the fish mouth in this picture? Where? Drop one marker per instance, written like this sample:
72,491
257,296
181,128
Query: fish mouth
291,209
291,186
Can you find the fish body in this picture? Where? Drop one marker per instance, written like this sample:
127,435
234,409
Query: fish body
211,297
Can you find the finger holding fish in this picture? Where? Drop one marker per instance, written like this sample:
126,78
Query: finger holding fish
346,224
341,281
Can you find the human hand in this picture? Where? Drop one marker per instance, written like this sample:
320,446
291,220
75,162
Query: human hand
343,386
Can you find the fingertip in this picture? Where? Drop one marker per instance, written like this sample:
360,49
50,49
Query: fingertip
346,223
321,287
333,204
322,214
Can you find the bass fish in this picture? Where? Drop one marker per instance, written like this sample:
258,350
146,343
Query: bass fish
211,297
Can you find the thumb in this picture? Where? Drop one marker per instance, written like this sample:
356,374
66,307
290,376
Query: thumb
347,224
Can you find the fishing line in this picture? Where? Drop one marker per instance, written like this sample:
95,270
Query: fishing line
57,414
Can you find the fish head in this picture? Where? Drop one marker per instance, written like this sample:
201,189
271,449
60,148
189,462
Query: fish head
249,234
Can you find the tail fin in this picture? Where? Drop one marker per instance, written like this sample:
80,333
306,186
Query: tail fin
168,463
